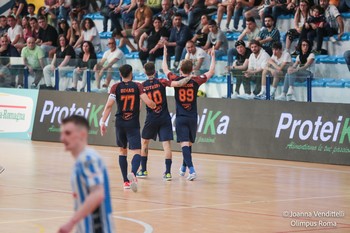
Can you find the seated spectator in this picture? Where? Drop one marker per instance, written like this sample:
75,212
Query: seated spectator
179,35
300,17
299,71
47,38
75,32
64,60
239,66
34,27
64,9
27,32
5,75
276,8
52,7
249,8
268,35
277,67
31,11
154,47
216,39
128,14
22,8
33,57
226,6
142,21
200,59
257,62
193,9
111,60
201,36
167,14
86,61
89,32
79,8
15,31
114,10
7,50
123,42
93,4
63,28
3,25
155,5
49,16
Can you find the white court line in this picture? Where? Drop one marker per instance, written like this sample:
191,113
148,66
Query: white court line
238,162
148,228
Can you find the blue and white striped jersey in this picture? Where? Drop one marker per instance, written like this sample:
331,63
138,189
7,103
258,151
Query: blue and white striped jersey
89,171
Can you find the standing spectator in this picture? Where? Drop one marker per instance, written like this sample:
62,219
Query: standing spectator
200,59
239,66
79,8
179,35
226,6
257,62
277,67
3,25
15,31
87,60
63,59
192,9
111,60
242,6
154,48
201,36
47,38
167,14
302,68
34,27
33,57
75,32
142,21
89,32
268,35
216,40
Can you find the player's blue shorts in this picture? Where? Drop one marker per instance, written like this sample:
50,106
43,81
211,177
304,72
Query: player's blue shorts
125,135
161,128
186,129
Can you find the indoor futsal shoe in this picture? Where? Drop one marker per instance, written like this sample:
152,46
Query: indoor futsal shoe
142,174
167,176
182,171
133,182
126,185
192,176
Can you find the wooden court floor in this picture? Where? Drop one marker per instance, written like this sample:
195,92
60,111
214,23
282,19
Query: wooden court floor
231,194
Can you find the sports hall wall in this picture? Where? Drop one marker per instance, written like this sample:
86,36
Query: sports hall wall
298,131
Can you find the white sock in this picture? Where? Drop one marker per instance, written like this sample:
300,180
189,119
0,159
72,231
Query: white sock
273,90
263,89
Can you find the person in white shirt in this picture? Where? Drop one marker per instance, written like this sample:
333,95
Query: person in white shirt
112,59
257,62
89,33
276,67
200,59
15,31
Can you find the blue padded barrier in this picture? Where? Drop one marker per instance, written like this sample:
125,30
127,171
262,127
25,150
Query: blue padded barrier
336,83
341,60
329,60
318,83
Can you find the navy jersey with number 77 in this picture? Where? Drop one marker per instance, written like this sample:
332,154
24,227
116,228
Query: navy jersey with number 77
186,96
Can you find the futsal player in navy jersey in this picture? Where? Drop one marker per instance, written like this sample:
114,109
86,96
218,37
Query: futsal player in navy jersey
93,208
186,108
158,122
127,95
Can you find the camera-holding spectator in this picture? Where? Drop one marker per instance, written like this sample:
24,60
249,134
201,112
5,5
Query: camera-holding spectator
192,9
49,15
90,33
268,35
33,57
87,60
226,6
47,37
155,46
277,67
200,59
217,40
79,8
64,60
299,71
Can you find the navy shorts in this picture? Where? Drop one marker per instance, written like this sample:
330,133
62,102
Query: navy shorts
161,128
186,129
125,135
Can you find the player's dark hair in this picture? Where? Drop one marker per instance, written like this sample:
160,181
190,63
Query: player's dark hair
125,70
186,66
77,120
149,68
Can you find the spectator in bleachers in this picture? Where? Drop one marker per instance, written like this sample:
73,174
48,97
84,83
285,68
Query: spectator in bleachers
3,25
268,35
87,60
123,42
79,8
15,31
257,62
142,20
31,10
154,47
347,58
179,35
111,60
155,5
64,60
116,15
89,32
277,67
192,10
114,10
22,8
343,6
34,27
167,14
33,57
238,67
75,32
128,14
249,8
251,31
226,6
5,75
27,32
302,68
52,6
200,59
276,8
47,38
7,50
64,9
300,17
217,39
201,35
63,28
49,15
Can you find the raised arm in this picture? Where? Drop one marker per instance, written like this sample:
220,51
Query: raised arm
165,64
211,71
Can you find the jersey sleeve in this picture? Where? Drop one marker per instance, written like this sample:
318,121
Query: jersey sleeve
200,79
112,91
140,87
91,171
165,82
171,76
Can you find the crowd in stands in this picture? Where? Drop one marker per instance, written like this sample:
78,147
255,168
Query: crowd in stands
61,31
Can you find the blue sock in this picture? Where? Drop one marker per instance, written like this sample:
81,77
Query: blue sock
144,163
135,163
186,152
123,164
192,170
168,163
